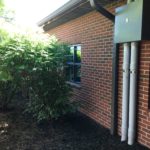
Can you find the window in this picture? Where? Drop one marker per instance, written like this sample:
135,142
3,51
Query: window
73,68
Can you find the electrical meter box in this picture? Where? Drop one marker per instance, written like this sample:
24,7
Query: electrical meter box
132,22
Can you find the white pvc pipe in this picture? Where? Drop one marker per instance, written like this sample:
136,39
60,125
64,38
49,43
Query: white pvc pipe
133,93
125,92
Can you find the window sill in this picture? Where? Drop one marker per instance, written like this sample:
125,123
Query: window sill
74,84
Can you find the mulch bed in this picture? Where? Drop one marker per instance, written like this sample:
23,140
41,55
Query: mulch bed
75,132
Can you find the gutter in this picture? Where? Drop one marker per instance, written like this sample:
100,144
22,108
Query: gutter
69,5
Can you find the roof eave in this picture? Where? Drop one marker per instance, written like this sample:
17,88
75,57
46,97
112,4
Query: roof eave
69,11
65,7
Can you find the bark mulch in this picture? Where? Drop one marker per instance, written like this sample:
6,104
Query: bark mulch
74,132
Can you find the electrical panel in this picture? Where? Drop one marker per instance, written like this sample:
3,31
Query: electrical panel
132,22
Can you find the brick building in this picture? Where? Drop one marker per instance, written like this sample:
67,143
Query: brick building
91,34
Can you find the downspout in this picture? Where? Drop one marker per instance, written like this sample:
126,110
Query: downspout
115,57
114,103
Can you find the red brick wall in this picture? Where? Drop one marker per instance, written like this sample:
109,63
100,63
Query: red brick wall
143,94
95,33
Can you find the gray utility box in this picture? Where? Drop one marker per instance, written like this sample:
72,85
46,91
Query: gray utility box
132,22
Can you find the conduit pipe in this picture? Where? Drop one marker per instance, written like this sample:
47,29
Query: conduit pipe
133,93
125,92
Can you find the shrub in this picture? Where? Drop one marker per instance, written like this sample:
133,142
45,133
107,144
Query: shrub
7,93
37,66
49,97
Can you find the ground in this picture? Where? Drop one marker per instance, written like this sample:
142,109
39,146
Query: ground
74,132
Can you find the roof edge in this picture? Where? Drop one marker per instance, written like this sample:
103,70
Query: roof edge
70,4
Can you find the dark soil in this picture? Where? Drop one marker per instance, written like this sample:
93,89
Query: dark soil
75,132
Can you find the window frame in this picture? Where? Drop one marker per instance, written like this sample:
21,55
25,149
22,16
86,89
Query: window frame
74,64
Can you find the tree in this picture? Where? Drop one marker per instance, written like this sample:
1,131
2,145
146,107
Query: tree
5,13
1,7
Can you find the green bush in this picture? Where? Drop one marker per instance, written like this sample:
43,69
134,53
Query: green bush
7,87
49,97
7,93
36,67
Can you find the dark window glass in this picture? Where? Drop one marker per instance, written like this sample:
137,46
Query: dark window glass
73,68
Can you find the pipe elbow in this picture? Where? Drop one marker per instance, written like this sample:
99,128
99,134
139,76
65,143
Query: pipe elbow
95,5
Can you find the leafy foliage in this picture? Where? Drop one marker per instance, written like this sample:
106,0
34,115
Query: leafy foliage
37,67
1,6
6,13
7,93
3,36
